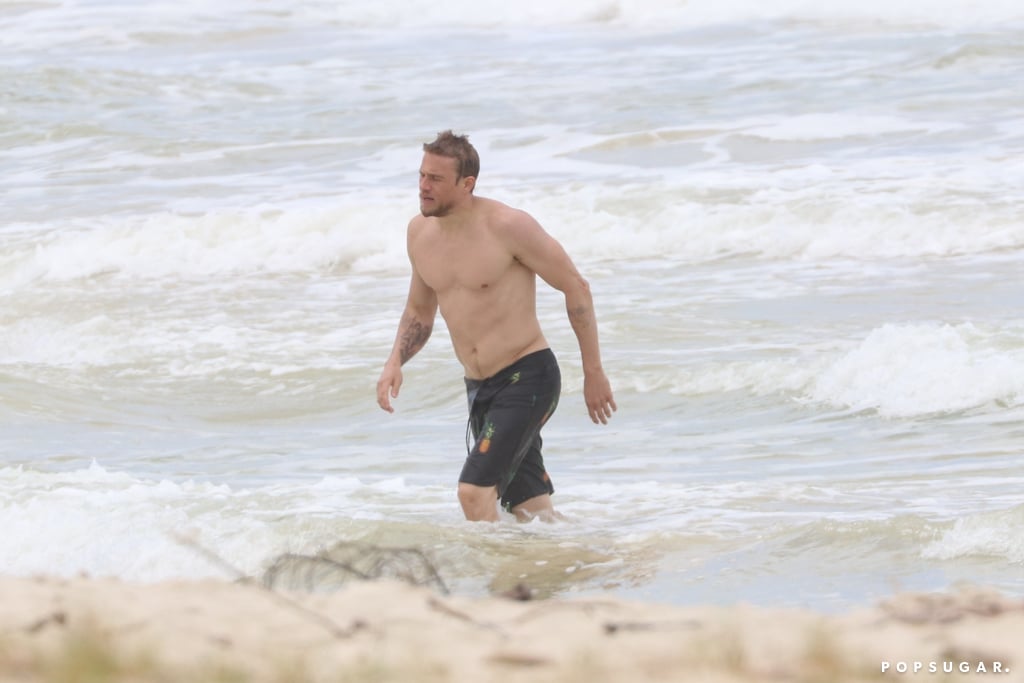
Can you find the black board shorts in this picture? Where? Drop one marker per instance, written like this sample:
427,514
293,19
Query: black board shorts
506,412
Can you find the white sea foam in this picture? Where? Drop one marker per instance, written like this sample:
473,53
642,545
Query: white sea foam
43,341
770,221
899,370
216,243
109,523
104,523
905,370
987,534
594,222
114,24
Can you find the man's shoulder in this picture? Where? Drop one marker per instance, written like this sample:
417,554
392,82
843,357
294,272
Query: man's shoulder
416,233
417,224
500,215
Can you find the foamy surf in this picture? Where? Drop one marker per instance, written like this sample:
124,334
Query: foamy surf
917,370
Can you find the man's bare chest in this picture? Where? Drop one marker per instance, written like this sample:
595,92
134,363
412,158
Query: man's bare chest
463,264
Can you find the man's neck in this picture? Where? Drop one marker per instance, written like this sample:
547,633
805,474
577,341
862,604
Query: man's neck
459,216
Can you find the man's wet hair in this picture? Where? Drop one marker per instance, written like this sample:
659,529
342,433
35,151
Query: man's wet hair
448,144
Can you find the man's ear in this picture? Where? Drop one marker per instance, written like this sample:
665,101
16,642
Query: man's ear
469,182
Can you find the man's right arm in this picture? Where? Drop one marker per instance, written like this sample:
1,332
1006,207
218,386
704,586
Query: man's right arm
414,330
417,321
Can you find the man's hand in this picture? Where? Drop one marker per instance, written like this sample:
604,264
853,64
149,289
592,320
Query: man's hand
388,385
597,392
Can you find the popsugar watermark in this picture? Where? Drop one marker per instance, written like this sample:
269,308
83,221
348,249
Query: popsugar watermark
945,667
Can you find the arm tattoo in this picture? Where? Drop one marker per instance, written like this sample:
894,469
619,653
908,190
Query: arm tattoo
580,316
414,336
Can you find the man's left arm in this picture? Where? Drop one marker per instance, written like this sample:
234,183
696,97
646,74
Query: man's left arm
541,253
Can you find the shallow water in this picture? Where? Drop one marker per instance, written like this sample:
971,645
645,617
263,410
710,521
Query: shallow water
803,229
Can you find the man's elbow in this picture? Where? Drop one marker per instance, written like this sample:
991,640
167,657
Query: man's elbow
577,289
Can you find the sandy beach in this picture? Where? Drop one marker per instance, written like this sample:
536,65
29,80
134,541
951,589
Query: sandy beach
91,629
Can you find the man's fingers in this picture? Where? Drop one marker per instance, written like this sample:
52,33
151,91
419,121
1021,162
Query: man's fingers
382,396
387,388
602,411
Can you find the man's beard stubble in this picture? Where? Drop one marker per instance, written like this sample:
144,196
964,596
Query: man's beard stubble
438,211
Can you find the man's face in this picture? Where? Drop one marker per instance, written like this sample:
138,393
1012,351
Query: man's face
440,186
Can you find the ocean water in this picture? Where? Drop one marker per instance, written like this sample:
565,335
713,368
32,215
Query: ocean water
803,225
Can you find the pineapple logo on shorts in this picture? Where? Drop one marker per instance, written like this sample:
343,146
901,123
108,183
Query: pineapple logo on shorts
485,443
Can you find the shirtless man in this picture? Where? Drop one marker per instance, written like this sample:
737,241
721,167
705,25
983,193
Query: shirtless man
477,259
